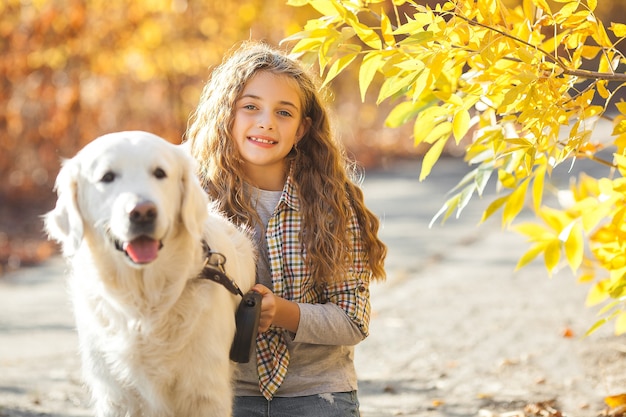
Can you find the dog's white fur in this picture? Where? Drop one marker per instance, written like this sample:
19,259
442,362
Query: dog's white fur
154,338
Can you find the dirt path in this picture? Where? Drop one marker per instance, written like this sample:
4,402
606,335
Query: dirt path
455,332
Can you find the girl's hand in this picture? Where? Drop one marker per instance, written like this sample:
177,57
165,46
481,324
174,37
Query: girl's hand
268,306
277,311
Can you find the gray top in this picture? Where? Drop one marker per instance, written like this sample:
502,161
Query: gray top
322,351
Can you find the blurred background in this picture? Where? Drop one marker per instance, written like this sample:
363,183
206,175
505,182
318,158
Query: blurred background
72,70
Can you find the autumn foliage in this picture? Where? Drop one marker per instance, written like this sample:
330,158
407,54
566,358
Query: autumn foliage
71,70
527,83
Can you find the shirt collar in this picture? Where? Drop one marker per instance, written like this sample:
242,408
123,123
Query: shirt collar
290,193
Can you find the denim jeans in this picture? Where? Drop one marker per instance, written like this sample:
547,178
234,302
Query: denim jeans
336,404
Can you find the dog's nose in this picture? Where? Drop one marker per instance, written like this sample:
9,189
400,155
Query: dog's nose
144,212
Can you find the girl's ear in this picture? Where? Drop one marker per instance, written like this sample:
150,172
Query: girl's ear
304,127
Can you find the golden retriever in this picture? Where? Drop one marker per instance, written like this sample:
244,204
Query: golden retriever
131,217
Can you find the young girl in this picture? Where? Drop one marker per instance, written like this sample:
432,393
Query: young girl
262,138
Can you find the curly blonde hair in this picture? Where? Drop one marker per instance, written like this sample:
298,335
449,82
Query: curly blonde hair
320,168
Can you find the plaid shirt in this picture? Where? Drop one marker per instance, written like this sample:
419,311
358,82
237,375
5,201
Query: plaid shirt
291,280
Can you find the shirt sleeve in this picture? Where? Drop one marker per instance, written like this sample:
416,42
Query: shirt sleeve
344,318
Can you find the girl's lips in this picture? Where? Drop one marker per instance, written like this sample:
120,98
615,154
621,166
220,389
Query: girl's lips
265,141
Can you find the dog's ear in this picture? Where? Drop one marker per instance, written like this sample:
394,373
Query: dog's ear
64,223
194,204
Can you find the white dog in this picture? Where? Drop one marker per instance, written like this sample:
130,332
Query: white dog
155,339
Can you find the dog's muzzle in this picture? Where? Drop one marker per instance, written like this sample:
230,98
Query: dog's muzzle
142,249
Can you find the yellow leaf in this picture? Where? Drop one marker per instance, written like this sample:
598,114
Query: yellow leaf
615,401
543,5
366,34
574,246
597,294
538,182
619,29
533,231
338,66
401,114
395,84
620,328
506,179
324,7
601,85
431,157
372,61
440,131
590,52
386,29
619,127
515,202
621,106
460,124
552,255
530,255
493,207
592,4
600,36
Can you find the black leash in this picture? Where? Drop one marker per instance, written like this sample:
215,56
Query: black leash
249,310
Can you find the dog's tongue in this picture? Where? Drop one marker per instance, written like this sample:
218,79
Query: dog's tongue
142,250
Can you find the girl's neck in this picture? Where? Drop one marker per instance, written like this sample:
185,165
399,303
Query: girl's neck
270,179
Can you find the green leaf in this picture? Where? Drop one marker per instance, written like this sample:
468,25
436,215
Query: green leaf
483,174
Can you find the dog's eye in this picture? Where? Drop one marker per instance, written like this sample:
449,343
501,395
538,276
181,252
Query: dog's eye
108,177
159,173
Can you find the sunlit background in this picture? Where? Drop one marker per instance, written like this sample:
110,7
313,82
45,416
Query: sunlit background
71,70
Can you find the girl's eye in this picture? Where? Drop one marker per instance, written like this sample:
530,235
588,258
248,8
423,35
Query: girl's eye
108,177
284,113
249,107
159,173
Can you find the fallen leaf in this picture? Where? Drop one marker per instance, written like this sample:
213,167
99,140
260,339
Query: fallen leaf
567,333
614,401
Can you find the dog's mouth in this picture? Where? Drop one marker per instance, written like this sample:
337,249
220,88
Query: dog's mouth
141,250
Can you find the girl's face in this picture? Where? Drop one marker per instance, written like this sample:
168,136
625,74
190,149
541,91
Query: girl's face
268,123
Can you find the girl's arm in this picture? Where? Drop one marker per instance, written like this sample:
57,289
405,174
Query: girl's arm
326,324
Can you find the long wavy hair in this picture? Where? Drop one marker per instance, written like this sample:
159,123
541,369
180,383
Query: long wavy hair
320,169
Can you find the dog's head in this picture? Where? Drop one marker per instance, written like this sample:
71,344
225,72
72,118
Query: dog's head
130,190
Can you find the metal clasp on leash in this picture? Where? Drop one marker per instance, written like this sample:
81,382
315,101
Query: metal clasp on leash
248,312
214,270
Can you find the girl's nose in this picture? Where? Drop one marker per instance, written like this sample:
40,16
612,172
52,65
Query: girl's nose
265,121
